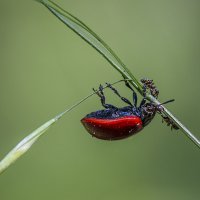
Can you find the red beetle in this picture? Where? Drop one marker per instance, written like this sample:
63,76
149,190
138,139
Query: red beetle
114,123
112,129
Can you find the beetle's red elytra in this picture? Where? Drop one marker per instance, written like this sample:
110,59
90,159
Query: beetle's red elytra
113,129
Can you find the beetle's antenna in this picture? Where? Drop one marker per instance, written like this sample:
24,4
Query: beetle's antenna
169,101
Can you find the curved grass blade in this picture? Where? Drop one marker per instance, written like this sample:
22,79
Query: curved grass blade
23,146
91,38
96,42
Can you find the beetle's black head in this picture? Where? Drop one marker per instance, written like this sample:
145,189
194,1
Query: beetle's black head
148,111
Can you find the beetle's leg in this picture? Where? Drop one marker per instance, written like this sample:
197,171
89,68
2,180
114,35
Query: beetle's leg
142,102
102,97
117,93
134,93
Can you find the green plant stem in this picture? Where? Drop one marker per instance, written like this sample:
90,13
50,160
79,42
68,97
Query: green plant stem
176,121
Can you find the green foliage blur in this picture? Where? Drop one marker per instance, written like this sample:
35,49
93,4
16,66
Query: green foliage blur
45,68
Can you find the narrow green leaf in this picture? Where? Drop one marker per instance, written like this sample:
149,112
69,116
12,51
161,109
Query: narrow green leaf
93,39
24,145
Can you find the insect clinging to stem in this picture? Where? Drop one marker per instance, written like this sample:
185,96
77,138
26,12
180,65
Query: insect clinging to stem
113,123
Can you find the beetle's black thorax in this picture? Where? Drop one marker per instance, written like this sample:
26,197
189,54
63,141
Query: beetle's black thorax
112,113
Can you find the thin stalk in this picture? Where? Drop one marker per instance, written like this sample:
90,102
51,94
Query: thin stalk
187,132
85,98
24,145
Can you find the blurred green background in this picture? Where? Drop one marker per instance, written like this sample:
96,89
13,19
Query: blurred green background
45,67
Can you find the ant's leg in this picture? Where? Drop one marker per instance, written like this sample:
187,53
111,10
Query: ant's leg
102,97
117,93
